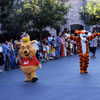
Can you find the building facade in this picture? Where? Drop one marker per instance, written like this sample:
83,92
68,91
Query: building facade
74,21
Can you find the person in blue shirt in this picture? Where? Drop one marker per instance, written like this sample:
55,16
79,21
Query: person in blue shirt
58,44
6,51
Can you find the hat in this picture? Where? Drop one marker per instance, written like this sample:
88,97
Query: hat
25,38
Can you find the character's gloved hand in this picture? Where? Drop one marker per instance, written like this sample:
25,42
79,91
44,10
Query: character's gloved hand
40,66
98,34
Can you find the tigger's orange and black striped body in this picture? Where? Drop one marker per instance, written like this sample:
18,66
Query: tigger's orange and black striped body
83,50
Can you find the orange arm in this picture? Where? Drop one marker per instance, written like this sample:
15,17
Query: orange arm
98,34
74,38
93,36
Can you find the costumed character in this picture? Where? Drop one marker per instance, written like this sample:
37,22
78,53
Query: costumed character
29,61
83,49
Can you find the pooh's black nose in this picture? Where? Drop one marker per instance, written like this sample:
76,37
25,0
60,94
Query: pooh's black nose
25,52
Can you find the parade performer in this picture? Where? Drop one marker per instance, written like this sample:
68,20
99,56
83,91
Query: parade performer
83,49
29,61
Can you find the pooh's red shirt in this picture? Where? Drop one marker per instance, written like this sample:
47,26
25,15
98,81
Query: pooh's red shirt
30,62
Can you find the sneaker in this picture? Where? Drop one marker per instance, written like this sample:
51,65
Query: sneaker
51,58
71,54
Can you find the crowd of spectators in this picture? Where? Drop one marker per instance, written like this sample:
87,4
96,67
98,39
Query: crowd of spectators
53,47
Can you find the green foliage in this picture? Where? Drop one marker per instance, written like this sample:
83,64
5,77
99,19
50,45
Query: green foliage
32,15
40,14
5,10
91,13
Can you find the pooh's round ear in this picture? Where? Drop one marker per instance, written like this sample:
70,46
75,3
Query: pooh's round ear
18,43
33,41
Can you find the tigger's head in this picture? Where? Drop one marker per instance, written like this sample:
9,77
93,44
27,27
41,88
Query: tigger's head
78,32
81,33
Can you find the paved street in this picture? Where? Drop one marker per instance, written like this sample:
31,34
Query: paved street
58,80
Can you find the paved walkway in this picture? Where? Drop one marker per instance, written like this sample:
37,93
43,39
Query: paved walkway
58,80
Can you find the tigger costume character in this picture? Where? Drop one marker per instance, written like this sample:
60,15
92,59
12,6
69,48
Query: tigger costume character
83,49
29,62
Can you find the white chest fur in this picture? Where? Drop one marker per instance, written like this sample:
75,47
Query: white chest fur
83,43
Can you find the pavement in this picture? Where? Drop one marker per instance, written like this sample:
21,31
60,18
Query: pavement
58,80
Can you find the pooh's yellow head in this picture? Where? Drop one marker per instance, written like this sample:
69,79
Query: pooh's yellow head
27,48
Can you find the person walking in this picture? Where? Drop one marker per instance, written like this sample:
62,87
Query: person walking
12,57
93,46
6,51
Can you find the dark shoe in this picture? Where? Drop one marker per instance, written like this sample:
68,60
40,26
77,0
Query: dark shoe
12,68
81,71
85,71
34,79
93,56
7,69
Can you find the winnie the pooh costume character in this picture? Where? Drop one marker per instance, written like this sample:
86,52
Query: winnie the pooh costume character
83,49
29,61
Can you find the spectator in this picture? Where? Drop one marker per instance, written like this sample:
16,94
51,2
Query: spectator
57,52
17,61
12,63
17,47
68,49
6,51
99,42
58,45
93,46
67,33
66,46
44,52
71,47
1,57
53,49
53,37
48,49
50,39
62,44
40,56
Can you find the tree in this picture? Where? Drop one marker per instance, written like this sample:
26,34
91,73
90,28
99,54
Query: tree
91,13
5,11
45,13
39,14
